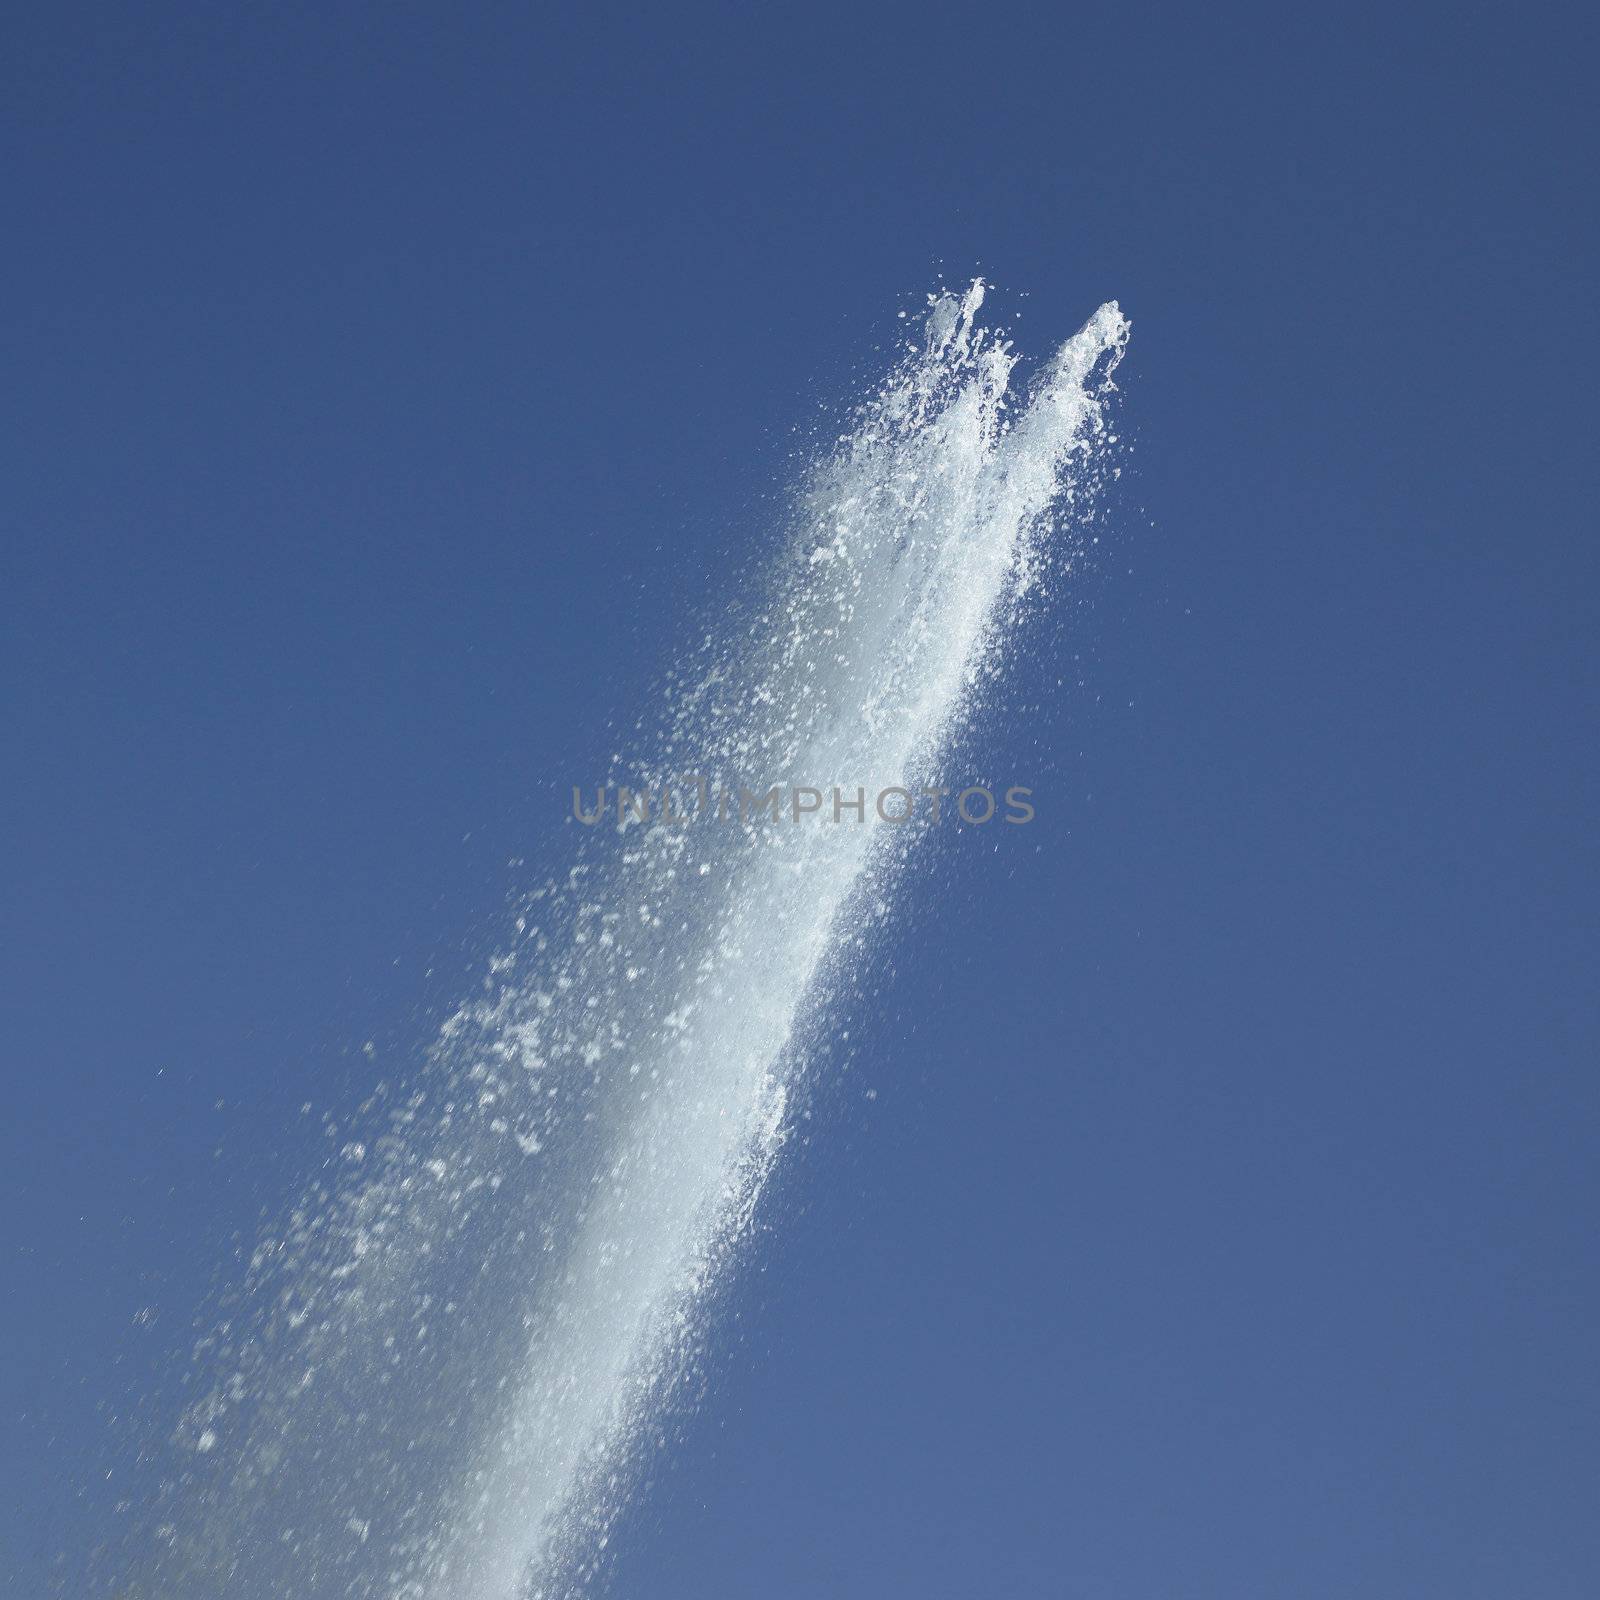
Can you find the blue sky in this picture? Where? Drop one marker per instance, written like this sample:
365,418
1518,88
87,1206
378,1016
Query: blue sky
388,387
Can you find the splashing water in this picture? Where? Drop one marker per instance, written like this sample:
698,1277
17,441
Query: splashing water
446,1363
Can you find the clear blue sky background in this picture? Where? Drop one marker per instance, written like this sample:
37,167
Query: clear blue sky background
387,384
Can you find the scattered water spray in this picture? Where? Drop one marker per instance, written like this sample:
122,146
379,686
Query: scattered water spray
449,1360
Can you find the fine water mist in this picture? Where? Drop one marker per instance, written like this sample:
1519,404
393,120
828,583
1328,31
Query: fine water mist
444,1369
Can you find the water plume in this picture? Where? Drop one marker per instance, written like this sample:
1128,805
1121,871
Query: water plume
446,1365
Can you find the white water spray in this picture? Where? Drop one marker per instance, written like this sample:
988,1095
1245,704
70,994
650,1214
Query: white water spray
450,1358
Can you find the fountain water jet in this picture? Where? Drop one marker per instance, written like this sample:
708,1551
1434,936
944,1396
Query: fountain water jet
447,1358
